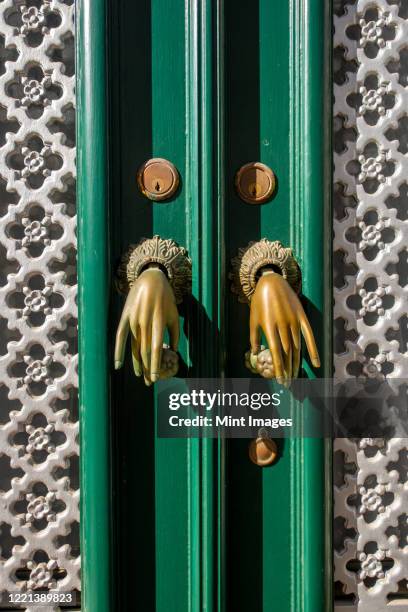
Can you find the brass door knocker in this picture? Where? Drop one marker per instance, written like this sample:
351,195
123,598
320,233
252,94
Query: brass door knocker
266,276
155,274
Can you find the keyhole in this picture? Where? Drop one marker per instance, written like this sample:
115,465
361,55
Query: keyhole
157,186
253,189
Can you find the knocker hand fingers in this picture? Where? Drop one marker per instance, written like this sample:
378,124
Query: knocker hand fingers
121,337
274,344
288,363
284,337
174,332
137,363
255,337
310,342
157,348
145,350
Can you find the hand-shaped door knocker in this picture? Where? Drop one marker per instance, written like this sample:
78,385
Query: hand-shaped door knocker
266,275
155,274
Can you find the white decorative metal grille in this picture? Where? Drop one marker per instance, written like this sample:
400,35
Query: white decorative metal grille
370,290
39,490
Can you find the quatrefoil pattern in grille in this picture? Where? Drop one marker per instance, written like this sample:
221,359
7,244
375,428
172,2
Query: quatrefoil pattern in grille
370,73
39,492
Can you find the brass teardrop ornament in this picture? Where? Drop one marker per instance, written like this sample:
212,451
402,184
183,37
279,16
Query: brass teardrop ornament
263,451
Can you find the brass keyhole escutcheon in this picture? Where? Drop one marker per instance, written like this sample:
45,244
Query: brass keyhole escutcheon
158,179
255,183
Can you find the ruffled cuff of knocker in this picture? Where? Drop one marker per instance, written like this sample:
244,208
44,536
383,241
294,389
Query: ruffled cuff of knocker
252,259
167,254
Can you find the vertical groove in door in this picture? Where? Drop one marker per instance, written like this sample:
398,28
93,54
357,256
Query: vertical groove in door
93,306
310,177
222,289
317,206
202,202
296,168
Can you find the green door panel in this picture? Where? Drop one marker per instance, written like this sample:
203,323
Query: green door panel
94,282
275,101
210,86
165,103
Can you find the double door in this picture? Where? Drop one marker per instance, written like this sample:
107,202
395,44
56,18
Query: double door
193,524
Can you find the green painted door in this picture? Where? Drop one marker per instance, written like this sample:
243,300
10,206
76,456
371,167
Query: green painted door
209,85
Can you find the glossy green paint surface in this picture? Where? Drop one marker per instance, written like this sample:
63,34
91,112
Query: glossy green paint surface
174,545
175,496
94,281
276,92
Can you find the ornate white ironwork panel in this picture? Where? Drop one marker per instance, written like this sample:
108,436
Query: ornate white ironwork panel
370,290
39,490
